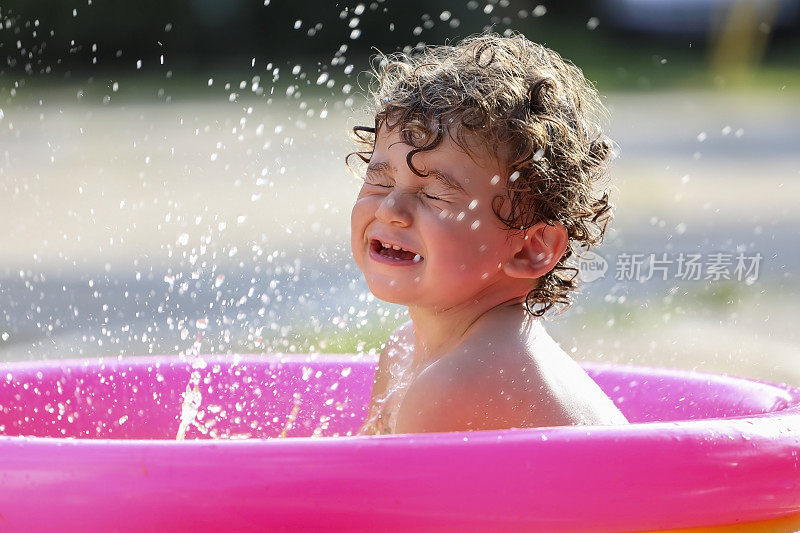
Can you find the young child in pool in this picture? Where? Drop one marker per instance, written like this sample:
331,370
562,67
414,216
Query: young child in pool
484,174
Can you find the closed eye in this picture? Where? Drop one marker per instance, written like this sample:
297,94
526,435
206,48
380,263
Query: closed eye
381,185
377,182
388,183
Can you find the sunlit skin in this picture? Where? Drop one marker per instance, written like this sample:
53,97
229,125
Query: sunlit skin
479,360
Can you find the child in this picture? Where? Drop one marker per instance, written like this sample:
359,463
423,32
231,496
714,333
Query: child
483,166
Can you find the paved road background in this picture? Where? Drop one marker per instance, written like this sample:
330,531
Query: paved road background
124,225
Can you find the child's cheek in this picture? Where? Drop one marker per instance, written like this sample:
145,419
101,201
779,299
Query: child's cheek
445,214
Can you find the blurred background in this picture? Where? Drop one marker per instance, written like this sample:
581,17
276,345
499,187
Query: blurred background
177,167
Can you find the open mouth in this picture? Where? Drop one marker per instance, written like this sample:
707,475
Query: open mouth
393,252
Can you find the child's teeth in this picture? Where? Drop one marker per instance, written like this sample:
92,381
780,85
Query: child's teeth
394,246
385,245
417,258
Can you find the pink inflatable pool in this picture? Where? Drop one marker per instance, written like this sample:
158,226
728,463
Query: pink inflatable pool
89,446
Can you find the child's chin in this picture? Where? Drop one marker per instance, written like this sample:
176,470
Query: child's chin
391,294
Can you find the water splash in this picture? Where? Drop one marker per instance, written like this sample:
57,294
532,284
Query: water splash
193,398
290,420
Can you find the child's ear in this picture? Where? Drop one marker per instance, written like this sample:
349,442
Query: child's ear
538,251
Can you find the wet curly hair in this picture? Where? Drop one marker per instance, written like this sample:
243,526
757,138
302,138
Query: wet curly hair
528,107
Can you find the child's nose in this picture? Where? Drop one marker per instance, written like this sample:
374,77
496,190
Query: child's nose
394,209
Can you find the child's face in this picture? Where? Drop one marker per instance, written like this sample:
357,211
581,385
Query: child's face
453,241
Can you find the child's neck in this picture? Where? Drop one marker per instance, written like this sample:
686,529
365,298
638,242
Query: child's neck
437,332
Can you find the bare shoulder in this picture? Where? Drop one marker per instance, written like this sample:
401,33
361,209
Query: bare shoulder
471,391
507,387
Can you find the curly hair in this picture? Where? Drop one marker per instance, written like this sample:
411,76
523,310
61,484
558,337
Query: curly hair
529,108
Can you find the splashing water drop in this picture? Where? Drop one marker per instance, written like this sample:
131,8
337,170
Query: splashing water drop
193,398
